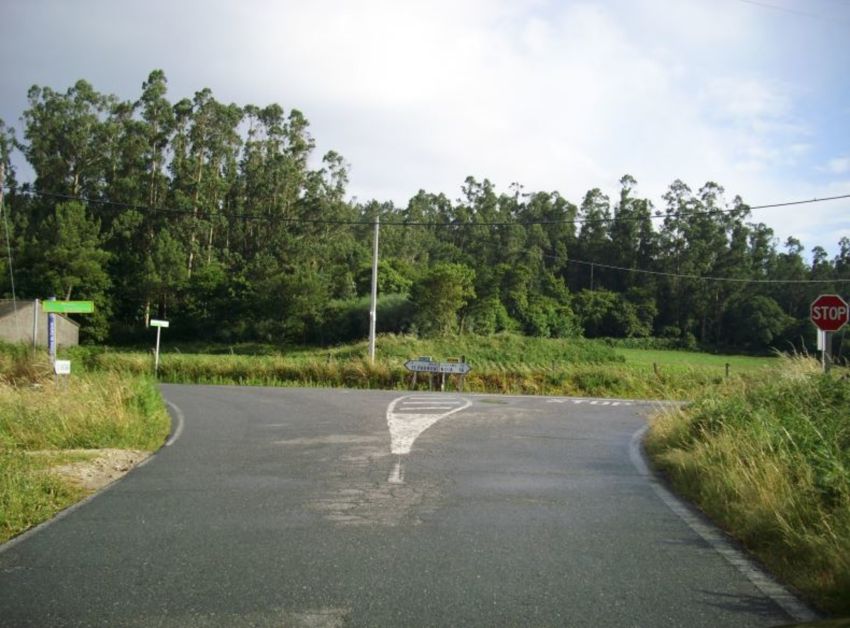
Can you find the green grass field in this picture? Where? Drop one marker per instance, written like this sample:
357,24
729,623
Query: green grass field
695,360
502,363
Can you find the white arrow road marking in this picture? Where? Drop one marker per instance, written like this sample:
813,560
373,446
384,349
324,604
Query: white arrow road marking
407,420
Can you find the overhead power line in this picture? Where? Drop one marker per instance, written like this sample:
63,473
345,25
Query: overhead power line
697,277
201,213
789,10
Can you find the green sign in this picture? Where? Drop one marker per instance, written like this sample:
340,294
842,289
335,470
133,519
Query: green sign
68,307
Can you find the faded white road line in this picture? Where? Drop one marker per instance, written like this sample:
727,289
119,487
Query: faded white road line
797,609
407,419
397,474
178,431
593,402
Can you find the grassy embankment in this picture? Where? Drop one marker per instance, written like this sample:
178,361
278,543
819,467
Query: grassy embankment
769,460
43,425
500,364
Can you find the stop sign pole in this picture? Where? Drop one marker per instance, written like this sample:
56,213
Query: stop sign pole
829,313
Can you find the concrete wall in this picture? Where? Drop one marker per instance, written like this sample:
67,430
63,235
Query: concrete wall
16,328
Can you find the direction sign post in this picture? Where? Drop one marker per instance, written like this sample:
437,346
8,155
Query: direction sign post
829,313
159,325
52,307
418,366
431,367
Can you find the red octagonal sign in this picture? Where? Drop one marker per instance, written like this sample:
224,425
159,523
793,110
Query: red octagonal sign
829,312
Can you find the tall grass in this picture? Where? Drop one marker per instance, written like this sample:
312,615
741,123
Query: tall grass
28,495
503,363
769,460
87,411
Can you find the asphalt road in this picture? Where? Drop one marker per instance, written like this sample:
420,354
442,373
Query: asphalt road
288,507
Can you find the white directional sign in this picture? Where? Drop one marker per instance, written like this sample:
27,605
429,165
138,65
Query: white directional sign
156,323
421,366
62,367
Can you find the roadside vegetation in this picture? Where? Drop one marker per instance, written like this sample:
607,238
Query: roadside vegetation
762,448
501,363
44,424
769,460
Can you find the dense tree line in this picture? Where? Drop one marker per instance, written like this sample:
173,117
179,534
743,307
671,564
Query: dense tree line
211,215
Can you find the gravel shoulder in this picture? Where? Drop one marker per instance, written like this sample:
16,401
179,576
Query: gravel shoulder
92,469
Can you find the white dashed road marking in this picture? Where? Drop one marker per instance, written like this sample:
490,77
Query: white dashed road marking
593,402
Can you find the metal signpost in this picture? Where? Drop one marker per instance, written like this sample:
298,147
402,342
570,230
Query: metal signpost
159,325
829,313
51,330
373,303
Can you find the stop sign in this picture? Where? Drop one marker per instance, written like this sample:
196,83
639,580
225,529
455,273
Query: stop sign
829,312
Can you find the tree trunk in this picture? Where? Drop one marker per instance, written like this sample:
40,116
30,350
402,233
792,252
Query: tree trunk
209,244
192,235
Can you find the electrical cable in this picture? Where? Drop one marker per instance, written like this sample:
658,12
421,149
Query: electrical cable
11,269
697,277
200,213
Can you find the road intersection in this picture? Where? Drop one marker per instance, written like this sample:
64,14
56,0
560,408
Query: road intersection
334,507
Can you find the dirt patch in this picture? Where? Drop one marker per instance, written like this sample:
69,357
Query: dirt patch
103,467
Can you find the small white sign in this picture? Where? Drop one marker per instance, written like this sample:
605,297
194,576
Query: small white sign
157,323
62,367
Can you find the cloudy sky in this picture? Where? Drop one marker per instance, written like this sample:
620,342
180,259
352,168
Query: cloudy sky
556,95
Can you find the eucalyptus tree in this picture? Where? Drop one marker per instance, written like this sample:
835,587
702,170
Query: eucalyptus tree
66,137
708,245
556,229
204,167
841,262
672,239
790,266
440,295
141,246
7,182
70,138
158,116
594,242
734,263
633,239
73,264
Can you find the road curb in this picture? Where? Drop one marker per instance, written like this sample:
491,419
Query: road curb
23,536
718,540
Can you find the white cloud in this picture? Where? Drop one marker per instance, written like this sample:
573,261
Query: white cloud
557,95
839,165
